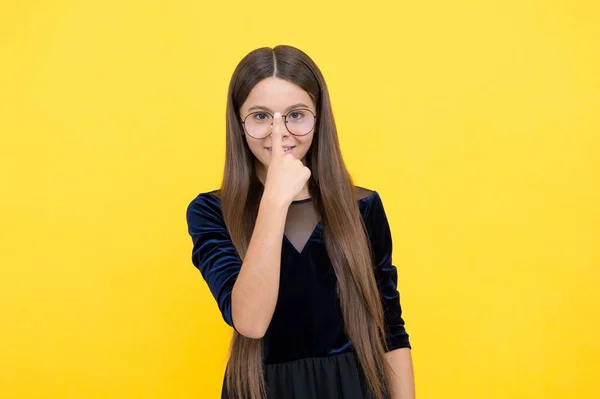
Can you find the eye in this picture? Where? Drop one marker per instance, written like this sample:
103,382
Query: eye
261,116
296,115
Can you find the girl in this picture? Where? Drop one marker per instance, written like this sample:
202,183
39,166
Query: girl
296,256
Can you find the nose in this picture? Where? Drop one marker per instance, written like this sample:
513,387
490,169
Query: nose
279,124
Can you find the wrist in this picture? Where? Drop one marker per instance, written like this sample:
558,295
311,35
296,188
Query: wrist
273,200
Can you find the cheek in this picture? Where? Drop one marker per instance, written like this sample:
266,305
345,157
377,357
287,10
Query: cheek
302,147
306,143
258,151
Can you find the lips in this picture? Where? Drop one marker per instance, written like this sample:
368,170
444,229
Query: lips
286,149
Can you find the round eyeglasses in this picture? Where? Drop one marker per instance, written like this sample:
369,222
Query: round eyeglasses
298,122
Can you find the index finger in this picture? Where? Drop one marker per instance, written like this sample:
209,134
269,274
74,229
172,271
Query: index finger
276,143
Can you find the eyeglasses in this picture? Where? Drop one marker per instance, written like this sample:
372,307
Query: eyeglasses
298,122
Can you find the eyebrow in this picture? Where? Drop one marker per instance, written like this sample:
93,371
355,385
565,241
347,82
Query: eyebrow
263,108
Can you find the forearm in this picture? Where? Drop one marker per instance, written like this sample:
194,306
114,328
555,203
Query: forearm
255,291
402,381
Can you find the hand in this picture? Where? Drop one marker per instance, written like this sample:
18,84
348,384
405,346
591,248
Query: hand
286,175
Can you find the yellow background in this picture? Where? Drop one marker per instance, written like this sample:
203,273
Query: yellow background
477,121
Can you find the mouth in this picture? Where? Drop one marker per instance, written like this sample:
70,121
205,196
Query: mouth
286,149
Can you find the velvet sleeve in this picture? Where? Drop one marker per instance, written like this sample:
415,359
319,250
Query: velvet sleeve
213,252
386,274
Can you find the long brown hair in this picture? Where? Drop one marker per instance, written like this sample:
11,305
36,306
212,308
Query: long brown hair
333,193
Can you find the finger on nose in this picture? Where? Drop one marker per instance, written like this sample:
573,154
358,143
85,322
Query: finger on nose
277,127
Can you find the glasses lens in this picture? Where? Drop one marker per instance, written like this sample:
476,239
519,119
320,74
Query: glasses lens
258,124
300,122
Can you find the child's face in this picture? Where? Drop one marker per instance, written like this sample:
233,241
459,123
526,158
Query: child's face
273,97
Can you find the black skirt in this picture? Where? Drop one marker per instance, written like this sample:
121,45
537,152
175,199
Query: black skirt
337,376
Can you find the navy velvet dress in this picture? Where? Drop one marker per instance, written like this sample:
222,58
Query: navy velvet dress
306,351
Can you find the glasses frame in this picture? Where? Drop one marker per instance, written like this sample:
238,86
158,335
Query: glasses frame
285,122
